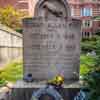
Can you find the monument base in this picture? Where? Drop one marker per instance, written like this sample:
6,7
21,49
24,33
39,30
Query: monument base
23,90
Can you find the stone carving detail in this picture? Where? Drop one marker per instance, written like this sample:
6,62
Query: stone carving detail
52,8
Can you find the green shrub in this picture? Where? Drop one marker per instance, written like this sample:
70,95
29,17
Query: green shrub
89,44
86,64
12,71
92,73
2,82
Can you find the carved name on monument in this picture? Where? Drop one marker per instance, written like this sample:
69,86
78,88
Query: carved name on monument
51,46
51,41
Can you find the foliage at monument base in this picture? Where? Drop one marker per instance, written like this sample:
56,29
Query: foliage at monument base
86,61
11,72
92,77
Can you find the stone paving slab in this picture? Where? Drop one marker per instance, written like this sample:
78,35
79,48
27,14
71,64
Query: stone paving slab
23,90
23,84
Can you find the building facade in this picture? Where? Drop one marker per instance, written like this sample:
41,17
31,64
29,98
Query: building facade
86,10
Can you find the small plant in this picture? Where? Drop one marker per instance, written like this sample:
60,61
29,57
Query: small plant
2,82
87,63
12,71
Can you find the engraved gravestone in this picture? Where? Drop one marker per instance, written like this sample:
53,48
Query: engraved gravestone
52,42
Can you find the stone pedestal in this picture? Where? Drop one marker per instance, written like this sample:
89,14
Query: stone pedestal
23,90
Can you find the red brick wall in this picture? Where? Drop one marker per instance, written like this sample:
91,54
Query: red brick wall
96,25
4,3
78,5
21,5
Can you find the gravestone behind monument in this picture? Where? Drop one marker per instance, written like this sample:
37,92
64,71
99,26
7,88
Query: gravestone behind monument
52,42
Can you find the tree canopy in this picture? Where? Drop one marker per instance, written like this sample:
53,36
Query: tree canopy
11,17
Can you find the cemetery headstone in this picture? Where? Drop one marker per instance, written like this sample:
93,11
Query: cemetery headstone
52,42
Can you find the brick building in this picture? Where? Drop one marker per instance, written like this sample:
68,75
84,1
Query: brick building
85,10
26,6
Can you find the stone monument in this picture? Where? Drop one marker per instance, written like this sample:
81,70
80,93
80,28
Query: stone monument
52,42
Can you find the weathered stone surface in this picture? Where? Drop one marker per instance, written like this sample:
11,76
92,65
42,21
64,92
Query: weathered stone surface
52,8
52,42
51,46
23,90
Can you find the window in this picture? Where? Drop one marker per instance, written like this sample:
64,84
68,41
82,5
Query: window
87,23
86,12
82,34
72,11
